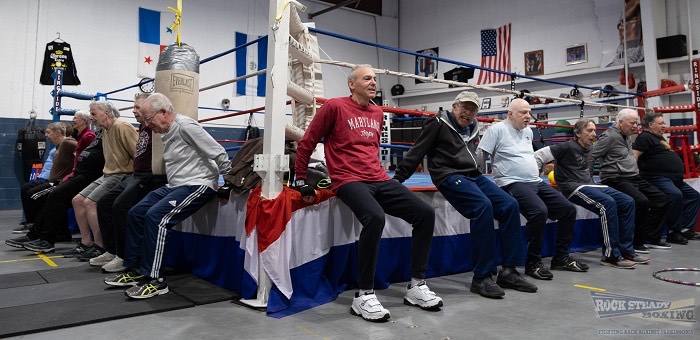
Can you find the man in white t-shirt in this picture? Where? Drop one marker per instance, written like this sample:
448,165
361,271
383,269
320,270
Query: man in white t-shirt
515,170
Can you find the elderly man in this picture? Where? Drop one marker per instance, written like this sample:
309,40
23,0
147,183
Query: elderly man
113,207
193,162
663,168
119,143
618,170
574,178
454,171
515,170
351,127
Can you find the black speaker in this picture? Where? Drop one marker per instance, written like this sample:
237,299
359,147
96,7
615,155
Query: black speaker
671,47
460,74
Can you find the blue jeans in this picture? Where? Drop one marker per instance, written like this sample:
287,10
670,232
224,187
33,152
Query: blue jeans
150,219
616,211
480,200
684,202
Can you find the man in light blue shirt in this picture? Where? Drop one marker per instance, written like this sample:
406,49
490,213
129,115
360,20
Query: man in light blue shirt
515,170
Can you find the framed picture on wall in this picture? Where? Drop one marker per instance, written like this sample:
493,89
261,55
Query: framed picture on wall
486,103
576,54
534,63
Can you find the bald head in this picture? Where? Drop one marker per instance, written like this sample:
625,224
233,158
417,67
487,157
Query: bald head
519,113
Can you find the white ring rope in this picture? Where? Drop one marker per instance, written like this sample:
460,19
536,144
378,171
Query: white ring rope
482,87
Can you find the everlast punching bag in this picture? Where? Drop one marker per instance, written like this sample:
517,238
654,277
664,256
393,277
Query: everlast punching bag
31,144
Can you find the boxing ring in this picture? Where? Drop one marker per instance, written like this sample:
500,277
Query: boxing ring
309,251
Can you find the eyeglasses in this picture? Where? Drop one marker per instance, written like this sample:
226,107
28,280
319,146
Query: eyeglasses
148,119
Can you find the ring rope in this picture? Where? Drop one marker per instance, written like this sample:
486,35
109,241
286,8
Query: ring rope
680,282
400,50
482,87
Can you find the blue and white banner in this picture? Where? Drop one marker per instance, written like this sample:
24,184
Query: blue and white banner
154,35
250,59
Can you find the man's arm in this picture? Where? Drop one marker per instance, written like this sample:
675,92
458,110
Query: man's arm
414,156
601,147
319,127
195,135
543,156
636,154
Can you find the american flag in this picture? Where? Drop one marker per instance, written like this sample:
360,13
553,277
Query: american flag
495,54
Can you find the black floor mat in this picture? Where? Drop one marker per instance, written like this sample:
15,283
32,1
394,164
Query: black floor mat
39,301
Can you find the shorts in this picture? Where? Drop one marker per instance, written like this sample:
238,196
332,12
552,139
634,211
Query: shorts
95,190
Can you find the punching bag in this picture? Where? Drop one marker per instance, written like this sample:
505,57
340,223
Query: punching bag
177,77
31,144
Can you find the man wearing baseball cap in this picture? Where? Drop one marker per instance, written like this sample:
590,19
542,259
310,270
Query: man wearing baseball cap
449,139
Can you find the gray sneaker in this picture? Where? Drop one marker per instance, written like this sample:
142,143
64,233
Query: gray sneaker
619,262
18,242
636,258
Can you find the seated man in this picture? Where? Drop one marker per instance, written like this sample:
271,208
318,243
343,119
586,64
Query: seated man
351,127
113,207
119,143
663,168
59,163
515,170
191,157
453,169
618,169
574,178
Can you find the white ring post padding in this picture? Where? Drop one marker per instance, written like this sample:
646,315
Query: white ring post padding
295,24
300,94
298,52
292,132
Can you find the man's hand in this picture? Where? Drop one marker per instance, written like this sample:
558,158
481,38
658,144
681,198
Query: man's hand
224,191
308,193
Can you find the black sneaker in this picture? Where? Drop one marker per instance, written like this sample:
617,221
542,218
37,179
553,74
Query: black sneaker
18,242
147,288
642,249
510,278
487,288
126,279
39,246
689,234
568,263
79,249
676,237
22,229
93,251
539,271
658,245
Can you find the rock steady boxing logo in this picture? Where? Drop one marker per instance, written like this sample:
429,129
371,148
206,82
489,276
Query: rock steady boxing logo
608,305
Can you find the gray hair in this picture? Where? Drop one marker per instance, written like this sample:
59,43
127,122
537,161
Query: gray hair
83,115
581,125
69,128
624,113
159,101
105,107
649,118
57,126
353,72
141,96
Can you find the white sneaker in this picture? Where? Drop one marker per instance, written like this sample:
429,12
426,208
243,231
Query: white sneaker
368,307
420,295
114,266
102,259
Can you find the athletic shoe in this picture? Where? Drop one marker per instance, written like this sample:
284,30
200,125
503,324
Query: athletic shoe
487,288
510,278
39,246
676,237
420,295
368,307
18,242
689,234
568,263
126,279
658,245
102,260
114,266
22,229
637,258
619,262
147,288
641,249
79,249
93,251
539,271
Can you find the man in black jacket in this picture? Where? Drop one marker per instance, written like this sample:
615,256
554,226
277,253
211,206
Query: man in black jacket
453,169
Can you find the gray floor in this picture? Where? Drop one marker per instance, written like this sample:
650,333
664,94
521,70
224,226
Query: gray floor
559,309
